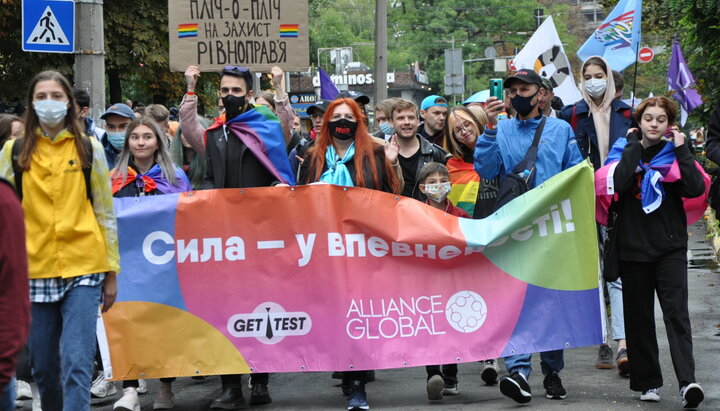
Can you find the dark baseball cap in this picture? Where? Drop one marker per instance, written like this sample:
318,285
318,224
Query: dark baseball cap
547,84
359,98
119,109
320,106
526,76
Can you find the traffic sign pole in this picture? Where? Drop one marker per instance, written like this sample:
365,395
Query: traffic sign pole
90,54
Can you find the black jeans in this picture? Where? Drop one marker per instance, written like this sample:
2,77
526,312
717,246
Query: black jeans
449,372
234,380
668,277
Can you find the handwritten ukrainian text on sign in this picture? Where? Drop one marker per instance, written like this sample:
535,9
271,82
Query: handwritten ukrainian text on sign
257,34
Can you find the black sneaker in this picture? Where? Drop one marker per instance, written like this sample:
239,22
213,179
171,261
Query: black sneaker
490,372
692,395
259,395
231,398
553,387
605,358
515,387
450,388
622,363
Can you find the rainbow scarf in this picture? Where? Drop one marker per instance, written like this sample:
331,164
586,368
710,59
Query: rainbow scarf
465,184
663,168
151,181
260,130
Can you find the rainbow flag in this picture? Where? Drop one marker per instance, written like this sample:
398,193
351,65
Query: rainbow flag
187,30
261,131
465,184
289,30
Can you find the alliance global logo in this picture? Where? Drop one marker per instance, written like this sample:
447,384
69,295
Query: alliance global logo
269,323
406,317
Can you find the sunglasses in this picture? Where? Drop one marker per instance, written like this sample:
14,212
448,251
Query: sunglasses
236,69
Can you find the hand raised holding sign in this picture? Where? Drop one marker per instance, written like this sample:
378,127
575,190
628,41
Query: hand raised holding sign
191,75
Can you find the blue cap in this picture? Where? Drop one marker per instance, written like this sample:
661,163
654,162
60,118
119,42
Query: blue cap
119,109
432,101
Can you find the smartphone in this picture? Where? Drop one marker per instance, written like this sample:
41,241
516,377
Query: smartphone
496,88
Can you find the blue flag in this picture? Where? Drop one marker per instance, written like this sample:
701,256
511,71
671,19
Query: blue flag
328,91
618,37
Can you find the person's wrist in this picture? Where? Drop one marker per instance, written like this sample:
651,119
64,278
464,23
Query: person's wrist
190,93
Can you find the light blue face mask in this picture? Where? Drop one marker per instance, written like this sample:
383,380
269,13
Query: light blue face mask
50,112
386,128
116,138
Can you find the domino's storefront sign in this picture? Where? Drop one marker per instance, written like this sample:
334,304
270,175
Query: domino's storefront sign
48,26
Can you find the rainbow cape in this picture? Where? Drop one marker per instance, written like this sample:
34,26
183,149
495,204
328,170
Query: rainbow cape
152,180
260,130
465,184
663,168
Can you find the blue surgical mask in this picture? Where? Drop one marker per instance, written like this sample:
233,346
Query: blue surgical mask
116,138
386,128
50,112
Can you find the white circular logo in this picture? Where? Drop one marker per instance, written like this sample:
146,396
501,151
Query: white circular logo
466,311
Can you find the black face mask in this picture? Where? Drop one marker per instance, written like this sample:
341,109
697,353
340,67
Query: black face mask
522,104
234,106
343,129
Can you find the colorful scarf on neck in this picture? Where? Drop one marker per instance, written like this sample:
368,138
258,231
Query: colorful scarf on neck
260,130
465,184
663,168
152,180
337,172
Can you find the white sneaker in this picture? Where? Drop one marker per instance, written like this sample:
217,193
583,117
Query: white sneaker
22,390
36,404
142,387
129,401
19,404
165,399
692,395
102,388
653,394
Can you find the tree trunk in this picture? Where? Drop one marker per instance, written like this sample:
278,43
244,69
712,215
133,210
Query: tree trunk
114,86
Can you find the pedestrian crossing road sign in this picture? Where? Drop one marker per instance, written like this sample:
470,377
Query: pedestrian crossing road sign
48,26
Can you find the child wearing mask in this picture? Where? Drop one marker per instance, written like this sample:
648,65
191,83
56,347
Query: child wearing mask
434,181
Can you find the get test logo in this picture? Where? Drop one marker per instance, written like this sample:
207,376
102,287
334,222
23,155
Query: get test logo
269,323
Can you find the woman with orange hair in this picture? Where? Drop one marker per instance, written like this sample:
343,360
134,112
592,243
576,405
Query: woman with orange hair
345,154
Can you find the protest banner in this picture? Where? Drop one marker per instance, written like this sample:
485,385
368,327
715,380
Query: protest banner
257,34
323,278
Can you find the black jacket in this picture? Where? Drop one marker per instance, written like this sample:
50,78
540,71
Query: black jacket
645,237
305,175
230,164
712,141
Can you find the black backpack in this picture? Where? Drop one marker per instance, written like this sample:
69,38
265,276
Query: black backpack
17,146
522,177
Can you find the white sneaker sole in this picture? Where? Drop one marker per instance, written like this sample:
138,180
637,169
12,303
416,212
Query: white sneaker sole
652,397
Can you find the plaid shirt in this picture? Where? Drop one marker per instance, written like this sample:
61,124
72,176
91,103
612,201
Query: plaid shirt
52,290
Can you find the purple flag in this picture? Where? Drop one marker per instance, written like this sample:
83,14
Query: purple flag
681,80
328,91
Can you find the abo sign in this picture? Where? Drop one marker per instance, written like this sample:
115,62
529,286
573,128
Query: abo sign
48,26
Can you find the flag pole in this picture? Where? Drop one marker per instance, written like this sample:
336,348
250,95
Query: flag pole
637,54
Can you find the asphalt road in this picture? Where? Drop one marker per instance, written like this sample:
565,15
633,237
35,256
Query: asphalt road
588,388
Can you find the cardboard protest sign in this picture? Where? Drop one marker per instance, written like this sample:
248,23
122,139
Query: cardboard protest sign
257,34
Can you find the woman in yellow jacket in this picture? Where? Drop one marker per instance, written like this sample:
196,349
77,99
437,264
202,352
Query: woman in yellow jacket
71,239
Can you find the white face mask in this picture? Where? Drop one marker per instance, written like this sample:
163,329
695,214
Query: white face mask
437,192
50,112
596,87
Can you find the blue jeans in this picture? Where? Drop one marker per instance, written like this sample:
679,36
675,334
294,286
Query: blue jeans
616,307
63,333
549,361
7,397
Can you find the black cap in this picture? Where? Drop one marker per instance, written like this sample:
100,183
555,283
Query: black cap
526,76
320,106
359,98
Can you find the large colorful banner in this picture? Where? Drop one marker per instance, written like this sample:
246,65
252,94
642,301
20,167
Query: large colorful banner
324,278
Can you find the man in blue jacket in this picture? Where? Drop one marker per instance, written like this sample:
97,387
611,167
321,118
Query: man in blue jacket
497,151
